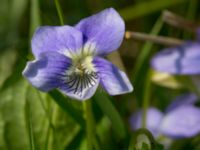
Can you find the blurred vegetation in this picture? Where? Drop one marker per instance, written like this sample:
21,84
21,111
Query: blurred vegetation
33,120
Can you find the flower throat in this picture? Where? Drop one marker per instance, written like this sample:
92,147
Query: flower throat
81,75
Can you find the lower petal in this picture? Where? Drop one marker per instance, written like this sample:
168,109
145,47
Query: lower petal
111,78
79,91
182,122
47,72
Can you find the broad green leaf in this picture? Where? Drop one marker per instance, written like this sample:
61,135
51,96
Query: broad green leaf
52,127
65,129
7,60
16,75
12,106
17,8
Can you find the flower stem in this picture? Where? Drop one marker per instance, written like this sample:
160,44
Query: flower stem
147,92
178,21
59,10
153,38
89,123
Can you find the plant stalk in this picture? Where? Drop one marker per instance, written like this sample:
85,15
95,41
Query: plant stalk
89,123
168,41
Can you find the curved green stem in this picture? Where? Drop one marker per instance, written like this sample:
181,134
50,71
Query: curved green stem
89,123
59,10
147,92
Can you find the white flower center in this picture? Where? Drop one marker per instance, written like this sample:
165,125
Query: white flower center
81,75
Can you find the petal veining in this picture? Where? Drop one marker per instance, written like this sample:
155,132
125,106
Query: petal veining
47,71
81,87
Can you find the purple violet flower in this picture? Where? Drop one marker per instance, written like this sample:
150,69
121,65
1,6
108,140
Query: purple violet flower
181,119
183,59
154,118
69,58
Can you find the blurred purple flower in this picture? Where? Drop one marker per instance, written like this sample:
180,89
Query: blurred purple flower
69,58
154,118
185,99
183,59
181,119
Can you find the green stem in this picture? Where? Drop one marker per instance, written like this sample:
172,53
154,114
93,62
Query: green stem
35,16
86,103
29,124
146,50
192,9
89,123
59,10
147,92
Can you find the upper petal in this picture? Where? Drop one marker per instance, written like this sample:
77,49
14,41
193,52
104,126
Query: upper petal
184,59
105,30
47,71
181,122
62,39
154,118
111,78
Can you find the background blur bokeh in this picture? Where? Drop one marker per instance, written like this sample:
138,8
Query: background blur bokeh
30,119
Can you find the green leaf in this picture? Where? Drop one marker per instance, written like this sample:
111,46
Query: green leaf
65,129
16,10
12,106
64,103
5,65
37,113
143,140
75,143
16,75
145,147
111,112
2,140
30,126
